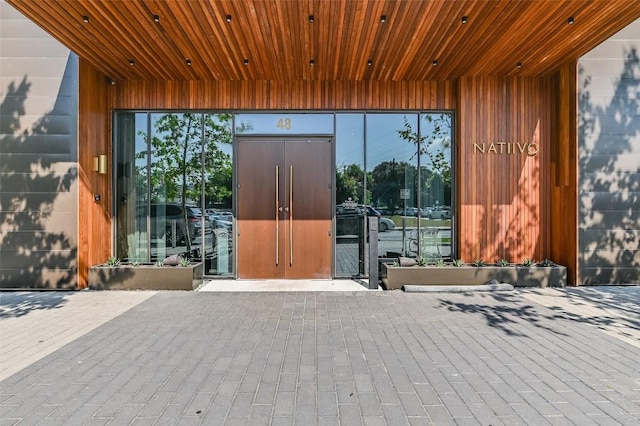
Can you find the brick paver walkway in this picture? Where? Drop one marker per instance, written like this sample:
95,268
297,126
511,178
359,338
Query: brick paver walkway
366,358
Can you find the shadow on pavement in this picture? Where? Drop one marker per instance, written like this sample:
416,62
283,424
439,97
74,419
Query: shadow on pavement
18,304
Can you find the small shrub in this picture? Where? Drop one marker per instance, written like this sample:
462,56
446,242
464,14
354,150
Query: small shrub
159,264
113,261
546,263
440,263
528,262
502,262
458,263
184,262
479,263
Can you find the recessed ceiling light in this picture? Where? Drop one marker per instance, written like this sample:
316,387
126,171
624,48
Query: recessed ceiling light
312,19
85,19
369,62
131,62
189,62
519,65
156,18
228,18
246,62
570,21
465,19
383,19
312,62
434,63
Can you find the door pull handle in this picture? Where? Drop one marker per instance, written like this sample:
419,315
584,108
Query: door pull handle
291,215
278,210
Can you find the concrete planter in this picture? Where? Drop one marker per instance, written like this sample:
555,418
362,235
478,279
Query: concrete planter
394,277
146,277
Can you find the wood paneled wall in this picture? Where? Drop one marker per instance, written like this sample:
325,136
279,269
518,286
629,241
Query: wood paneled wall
283,95
510,204
563,172
503,197
94,139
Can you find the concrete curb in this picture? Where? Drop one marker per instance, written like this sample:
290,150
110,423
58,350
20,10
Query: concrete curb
455,288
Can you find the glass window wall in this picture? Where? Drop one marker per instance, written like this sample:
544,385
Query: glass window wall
174,184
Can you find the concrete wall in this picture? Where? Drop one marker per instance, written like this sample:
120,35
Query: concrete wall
609,161
38,157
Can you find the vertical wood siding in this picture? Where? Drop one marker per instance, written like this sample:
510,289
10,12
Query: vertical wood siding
503,205
509,205
94,139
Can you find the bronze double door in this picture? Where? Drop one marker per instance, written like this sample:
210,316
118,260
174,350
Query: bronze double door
284,208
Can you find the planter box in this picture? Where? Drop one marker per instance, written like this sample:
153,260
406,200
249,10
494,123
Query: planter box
145,277
394,277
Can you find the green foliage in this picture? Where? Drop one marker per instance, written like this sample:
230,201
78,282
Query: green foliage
422,261
113,261
184,262
434,147
350,184
135,263
440,263
528,262
502,262
479,263
457,263
546,263
159,264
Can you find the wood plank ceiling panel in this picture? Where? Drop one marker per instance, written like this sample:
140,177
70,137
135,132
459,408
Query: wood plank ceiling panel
278,41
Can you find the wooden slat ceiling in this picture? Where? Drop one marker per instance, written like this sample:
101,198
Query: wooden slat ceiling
277,41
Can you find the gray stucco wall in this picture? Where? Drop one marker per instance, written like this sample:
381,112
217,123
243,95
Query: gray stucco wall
38,157
609,156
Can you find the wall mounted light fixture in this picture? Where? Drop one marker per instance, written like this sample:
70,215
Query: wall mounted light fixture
102,164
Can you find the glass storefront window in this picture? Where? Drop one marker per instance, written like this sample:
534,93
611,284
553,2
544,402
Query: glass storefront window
392,163
350,187
436,185
218,193
131,200
174,183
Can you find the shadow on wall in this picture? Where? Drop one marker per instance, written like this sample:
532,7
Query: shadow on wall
609,199
37,240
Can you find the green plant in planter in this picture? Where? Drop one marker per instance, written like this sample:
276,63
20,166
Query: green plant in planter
479,263
458,263
528,262
440,263
502,262
159,264
546,263
135,263
184,262
113,261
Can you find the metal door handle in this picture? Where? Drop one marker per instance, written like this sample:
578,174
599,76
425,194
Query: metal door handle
291,215
278,209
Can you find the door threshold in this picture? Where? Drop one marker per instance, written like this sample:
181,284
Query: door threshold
282,285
